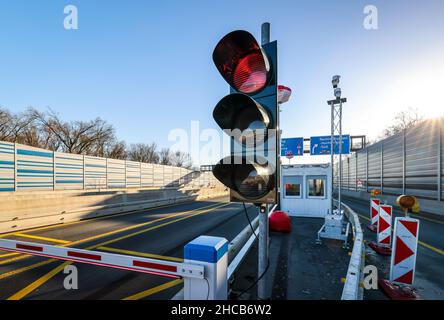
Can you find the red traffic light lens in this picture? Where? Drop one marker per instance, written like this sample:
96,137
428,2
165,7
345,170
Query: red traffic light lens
250,74
240,60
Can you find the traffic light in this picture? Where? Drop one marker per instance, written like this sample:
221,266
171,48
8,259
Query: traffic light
249,115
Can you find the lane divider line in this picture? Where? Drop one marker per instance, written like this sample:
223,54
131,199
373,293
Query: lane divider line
428,246
30,236
102,235
42,280
55,226
22,293
24,269
6,255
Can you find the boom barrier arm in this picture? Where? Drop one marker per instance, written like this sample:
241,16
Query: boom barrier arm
110,260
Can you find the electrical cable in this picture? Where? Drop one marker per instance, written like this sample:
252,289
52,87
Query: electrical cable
268,262
256,281
249,221
208,289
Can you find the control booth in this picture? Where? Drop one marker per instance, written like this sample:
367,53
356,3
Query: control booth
306,190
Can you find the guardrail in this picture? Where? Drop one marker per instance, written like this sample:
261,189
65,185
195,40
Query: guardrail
241,245
352,287
238,249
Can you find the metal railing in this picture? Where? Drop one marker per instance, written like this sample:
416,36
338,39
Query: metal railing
238,249
352,287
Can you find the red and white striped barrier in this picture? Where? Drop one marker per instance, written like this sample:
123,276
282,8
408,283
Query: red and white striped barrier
385,225
374,214
405,245
110,260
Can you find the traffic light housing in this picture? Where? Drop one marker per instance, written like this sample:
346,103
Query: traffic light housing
249,114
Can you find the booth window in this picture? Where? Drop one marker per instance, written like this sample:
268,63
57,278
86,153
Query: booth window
316,186
293,186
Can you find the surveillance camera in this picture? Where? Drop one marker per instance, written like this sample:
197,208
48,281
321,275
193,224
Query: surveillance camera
338,93
335,81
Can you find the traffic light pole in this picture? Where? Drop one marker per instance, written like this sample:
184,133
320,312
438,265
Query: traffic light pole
262,292
251,71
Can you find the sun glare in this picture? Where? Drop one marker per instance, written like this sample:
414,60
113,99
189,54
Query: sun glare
419,87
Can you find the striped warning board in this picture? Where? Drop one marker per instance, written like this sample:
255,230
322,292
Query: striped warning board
124,262
374,211
405,245
385,225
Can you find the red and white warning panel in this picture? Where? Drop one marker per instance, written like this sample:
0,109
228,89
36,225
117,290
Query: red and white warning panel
374,213
405,247
385,225
110,260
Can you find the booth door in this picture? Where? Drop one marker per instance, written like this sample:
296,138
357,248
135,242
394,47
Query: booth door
317,202
292,195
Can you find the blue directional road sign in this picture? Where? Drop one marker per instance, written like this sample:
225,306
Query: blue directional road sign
293,146
322,145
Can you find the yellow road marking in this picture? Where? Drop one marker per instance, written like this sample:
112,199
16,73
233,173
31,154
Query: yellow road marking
140,254
17,271
155,227
102,235
426,245
154,290
9,254
89,220
28,289
366,218
25,291
428,219
23,235
30,236
413,216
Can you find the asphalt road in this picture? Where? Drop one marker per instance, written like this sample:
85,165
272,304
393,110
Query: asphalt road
429,278
151,233
162,233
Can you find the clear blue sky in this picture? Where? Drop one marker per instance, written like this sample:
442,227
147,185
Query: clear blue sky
145,66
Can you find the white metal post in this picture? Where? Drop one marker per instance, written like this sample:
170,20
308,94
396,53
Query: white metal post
332,156
212,253
439,157
340,157
262,291
15,167
263,213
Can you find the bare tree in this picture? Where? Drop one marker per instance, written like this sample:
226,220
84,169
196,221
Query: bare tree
5,125
80,137
13,127
143,153
96,138
181,159
116,150
165,157
404,120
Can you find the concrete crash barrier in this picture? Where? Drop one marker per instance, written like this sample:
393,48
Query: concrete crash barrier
24,210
